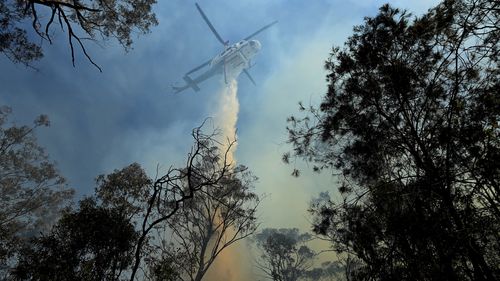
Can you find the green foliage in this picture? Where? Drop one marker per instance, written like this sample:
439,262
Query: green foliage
220,215
93,243
14,42
32,193
97,20
328,271
126,190
111,235
175,203
164,269
284,254
411,120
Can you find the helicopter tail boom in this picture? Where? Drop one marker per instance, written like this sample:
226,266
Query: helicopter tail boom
191,83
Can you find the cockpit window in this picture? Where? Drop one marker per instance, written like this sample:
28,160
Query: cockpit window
255,44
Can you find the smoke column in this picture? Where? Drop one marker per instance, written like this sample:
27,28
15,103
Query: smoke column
226,114
232,264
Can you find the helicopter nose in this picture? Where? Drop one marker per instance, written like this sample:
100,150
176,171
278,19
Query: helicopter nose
255,44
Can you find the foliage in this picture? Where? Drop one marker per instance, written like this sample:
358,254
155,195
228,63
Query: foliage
217,217
32,193
152,204
328,271
284,254
126,190
93,243
96,19
164,269
111,235
411,122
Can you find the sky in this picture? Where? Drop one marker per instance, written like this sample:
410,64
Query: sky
128,113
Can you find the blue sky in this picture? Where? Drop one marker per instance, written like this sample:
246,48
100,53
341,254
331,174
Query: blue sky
104,121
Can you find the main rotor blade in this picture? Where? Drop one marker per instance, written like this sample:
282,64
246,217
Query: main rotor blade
260,30
198,67
249,76
210,25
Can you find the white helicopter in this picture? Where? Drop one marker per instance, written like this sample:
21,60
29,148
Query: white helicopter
234,59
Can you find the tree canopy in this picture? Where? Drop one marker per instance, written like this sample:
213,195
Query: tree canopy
32,192
284,255
154,205
410,123
217,217
80,20
117,234
93,243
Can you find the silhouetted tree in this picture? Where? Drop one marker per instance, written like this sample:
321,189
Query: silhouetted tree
151,204
32,192
110,236
411,123
328,271
93,243
94,19
164,269
284,255
217,217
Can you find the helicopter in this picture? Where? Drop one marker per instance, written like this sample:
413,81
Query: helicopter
235,58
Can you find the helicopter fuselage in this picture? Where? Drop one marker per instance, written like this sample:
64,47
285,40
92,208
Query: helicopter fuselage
236,57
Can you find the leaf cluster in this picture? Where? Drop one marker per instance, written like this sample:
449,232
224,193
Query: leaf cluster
284,254
410,122
32,192
92,243
81,20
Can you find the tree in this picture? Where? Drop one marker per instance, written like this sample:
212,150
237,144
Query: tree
96,19
93,243
328,271
151,204
217,217
32,192
284,254
112,234
411,123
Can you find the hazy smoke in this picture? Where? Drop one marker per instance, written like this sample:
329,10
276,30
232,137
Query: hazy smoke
233,263
226,114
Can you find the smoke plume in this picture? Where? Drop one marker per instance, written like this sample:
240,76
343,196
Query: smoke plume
232,264
226,114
